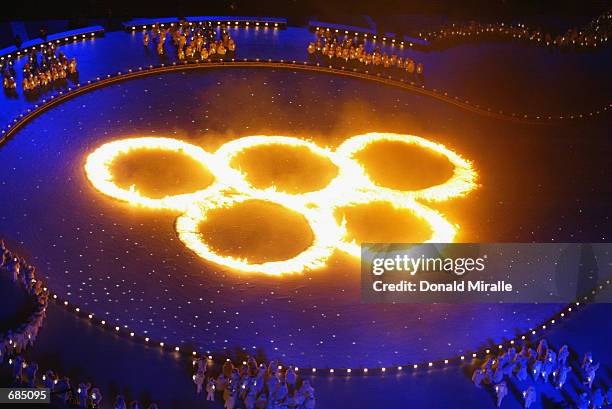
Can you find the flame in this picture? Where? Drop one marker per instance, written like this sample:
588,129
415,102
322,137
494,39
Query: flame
462,181
350,187
98,170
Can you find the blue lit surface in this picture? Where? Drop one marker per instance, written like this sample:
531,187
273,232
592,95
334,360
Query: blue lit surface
127,264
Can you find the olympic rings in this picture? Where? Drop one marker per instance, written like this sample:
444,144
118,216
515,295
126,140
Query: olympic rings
350,187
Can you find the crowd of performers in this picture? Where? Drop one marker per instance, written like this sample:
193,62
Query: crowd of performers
201,42
25,374
541,364
254,386
251,386
352,52
44,69
83,395
594,33
16,341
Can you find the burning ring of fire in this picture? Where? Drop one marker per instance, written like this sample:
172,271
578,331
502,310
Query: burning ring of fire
350,187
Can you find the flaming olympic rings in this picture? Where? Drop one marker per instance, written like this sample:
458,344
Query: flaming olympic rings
350,187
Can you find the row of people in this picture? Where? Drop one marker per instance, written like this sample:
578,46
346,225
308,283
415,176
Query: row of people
63,392
330,48
201,42
14,342
590,35
542,363
17,340
254,385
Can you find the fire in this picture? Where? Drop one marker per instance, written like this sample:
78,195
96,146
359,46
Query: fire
98,170
351,186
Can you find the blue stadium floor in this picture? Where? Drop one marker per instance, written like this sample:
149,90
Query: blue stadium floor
525,79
